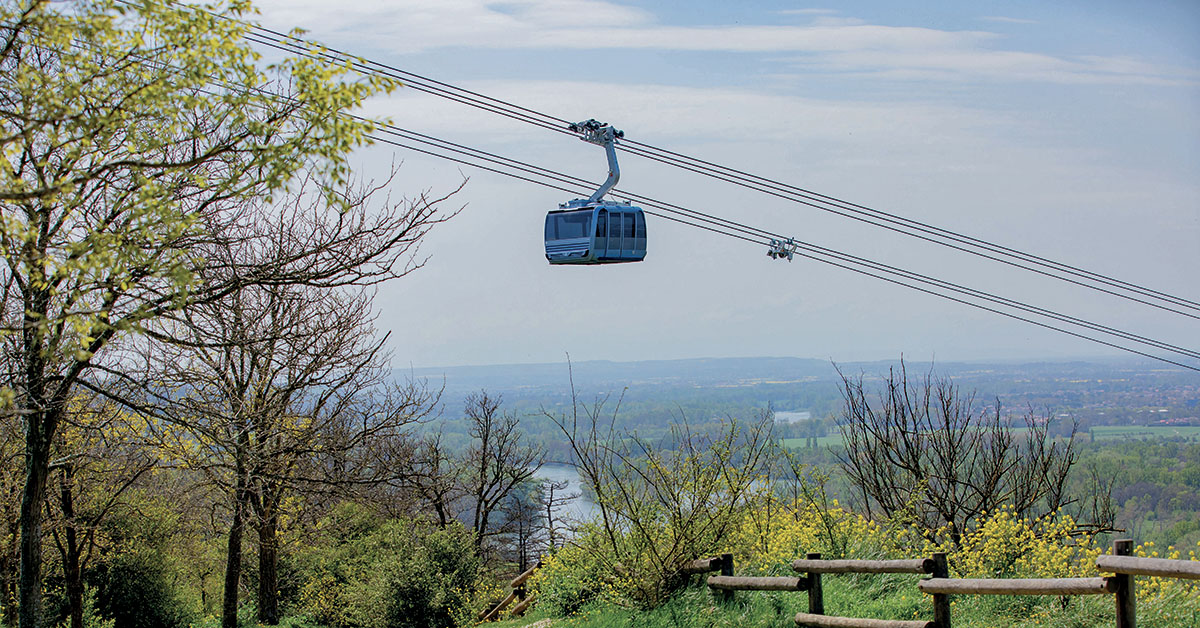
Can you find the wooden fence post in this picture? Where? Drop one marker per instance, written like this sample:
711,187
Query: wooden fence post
816,601
726,570
1126,594
941,601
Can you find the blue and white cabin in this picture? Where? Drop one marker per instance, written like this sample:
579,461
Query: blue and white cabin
591,232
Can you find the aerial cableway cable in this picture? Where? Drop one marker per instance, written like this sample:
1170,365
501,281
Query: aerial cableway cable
567,183
559,181
760,236
899,224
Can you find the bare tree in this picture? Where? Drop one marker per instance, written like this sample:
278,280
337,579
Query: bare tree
555,497
661,507
924,450
285,391
522,524
499,461
280,381
435,478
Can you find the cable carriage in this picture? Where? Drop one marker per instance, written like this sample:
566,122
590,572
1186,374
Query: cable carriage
592,230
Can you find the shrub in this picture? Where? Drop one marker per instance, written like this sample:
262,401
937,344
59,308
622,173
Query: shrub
573,577
136,590
364,570
663,506
430,584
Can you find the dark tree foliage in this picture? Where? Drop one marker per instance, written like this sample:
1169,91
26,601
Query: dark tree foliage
136,591
430,583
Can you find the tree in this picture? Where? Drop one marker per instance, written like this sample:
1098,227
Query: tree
434,478
498,462
285,389
126,131
521,527
661,507
554,497
100,454
925,451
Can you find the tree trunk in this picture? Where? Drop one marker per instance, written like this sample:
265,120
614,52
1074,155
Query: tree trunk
39,428
268,561
11,576
71,568
233,560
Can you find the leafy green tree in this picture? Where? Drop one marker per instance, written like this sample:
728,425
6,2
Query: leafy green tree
129,132
362,569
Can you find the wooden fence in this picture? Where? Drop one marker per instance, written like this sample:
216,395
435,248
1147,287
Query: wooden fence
941,586
519,595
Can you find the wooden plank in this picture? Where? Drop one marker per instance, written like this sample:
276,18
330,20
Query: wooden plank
520,609
1018,586
702,565
1160,567
520,580
827,621
748,583
908,565
495,612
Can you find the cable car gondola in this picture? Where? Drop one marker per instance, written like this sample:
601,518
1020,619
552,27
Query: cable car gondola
595,233
592,230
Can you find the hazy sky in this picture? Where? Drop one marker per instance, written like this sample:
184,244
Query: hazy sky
1066,129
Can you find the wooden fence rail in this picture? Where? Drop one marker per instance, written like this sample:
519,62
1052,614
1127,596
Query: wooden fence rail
1018,586
517,595
823,621
1158,567
916,565
941,586
749,583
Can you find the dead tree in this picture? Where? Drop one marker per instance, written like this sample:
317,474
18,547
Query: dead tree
924,450
498,462
555,497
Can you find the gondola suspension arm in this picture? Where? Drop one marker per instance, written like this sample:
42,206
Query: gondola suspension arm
601,134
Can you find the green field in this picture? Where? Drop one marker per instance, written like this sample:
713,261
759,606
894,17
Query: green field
822,441
1113,432
1100,433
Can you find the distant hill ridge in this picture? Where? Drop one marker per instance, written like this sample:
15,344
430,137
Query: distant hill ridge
605,375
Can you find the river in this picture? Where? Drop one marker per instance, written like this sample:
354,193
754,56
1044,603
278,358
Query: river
579,509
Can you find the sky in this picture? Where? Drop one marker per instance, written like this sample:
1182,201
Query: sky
1069,129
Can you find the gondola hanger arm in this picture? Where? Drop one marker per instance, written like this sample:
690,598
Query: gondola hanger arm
601,134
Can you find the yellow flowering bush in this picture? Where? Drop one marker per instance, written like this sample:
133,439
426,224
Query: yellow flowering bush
777,531
772,531
1005,545
574,577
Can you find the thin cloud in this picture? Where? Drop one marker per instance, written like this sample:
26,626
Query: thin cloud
1007,20
828,43
977,64
807,12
